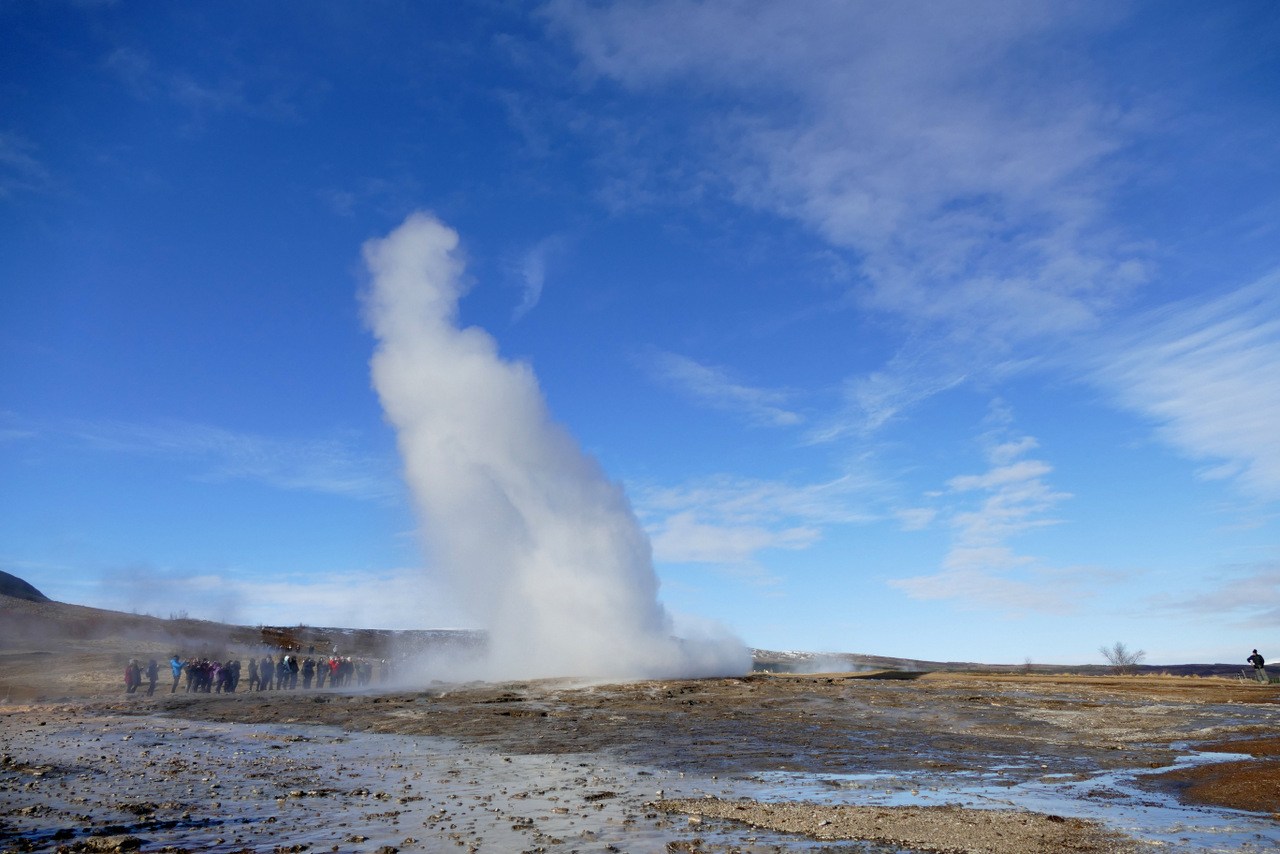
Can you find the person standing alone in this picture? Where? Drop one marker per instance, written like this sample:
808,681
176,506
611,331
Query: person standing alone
1259,667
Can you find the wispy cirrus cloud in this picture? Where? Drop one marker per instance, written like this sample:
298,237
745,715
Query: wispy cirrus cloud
1206,374
973,185
395,598
1246,595
20,168
391,598
870,401
967,174
981,568
330,465
967,182
713,387
146,80
727,520
234,84
532,272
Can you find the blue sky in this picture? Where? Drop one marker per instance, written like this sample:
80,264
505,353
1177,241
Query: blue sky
938,330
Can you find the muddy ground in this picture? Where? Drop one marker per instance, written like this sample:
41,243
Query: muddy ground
799,761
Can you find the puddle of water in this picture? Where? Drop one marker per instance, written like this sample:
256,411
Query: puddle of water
1114,798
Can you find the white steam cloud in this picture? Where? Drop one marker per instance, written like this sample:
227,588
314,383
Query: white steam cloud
535,540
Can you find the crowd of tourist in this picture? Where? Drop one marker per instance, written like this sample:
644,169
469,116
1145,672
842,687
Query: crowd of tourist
280,673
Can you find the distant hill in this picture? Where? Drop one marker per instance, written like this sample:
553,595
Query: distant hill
32,624
35,623
12,585
794,661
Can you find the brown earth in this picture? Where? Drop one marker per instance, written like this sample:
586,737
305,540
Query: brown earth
923,828
1246,785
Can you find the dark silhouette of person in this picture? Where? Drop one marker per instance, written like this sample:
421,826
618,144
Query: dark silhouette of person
1259,667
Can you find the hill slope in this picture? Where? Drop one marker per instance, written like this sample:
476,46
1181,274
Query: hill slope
12,585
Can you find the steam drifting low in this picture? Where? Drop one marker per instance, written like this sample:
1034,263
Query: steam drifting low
533,538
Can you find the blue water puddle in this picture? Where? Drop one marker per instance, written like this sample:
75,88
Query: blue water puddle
1117,799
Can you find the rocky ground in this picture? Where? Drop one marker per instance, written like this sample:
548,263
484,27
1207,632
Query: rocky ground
945,762
710,749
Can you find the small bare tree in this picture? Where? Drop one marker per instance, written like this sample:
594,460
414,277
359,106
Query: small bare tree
1122,659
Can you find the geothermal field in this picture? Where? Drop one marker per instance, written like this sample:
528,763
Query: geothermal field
584,718
876,760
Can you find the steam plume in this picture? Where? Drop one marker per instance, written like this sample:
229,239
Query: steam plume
535,540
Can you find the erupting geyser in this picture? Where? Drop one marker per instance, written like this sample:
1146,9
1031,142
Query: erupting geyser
533,538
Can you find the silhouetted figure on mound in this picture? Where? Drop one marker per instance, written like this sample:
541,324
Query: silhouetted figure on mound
153,675
253,673
1259,667
308,672
265,670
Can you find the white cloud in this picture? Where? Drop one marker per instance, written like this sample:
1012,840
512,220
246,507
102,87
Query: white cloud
963,156
250,85
1013,474
728,521
713,387
976,585
1247,596
390,599
340,202
1005,453
145,80
873,400
933,139
916,518
681,538
1206,374
316,465
532,271
980,568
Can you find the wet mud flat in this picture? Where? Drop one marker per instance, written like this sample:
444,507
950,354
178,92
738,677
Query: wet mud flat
755,764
